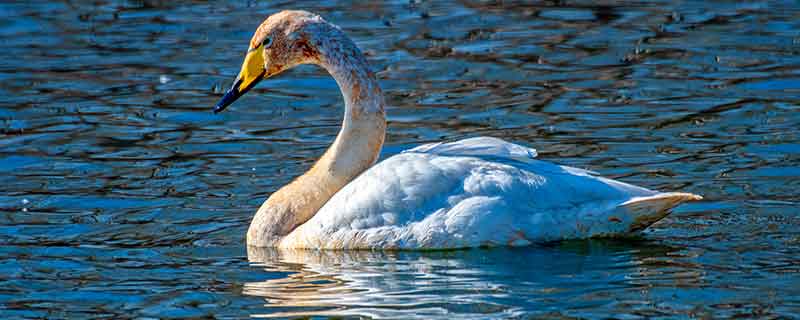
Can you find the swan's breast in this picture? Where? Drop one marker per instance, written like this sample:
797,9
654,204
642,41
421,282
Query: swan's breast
425,201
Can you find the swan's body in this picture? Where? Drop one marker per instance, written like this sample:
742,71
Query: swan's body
473,192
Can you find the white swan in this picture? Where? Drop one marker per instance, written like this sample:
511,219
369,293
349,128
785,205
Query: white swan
474,192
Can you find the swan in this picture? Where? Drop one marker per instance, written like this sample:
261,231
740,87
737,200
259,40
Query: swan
477,192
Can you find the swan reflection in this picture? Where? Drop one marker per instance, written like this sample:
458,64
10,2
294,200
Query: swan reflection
500,282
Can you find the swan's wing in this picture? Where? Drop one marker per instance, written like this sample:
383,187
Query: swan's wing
489,148
478,147
427,200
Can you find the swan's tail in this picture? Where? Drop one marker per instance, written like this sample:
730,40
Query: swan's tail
647,210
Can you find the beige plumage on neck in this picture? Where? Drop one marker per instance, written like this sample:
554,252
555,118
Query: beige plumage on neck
287,39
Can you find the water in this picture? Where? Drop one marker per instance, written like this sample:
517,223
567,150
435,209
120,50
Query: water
124,196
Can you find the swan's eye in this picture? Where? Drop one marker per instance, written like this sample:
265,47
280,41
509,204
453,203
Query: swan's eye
267,42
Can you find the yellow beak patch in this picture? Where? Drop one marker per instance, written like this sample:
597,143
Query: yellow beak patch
252,68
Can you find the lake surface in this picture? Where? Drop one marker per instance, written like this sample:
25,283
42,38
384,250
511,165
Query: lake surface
124,196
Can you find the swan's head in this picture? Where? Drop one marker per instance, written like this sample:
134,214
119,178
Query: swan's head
281,42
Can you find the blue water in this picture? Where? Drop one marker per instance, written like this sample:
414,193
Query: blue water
124,196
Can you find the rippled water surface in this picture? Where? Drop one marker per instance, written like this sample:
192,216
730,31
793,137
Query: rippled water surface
122,195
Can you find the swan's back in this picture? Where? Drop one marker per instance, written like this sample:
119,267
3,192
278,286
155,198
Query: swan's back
476,193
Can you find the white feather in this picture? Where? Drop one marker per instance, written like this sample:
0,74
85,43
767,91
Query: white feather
478,147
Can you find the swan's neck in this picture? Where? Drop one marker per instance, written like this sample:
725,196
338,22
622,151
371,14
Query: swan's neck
355,149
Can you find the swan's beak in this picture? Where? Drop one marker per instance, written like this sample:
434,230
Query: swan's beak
252,72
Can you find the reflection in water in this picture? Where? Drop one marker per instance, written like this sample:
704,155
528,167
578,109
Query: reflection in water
123,196
500,282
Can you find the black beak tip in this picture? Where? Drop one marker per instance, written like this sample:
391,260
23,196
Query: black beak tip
218,108
234,93
227,100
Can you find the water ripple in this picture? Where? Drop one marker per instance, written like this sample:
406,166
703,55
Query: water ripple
124,196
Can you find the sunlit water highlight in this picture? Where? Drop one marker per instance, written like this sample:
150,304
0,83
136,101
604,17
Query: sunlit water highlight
124,196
